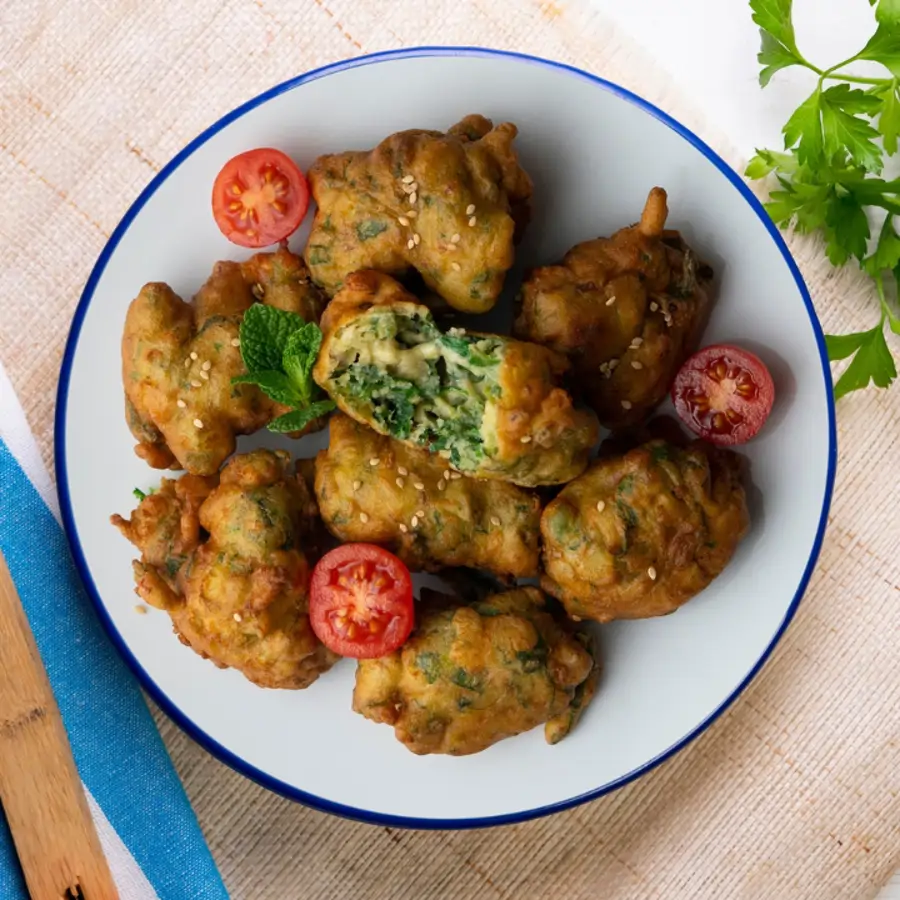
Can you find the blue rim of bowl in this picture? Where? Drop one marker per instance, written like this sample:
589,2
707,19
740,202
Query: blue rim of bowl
163,701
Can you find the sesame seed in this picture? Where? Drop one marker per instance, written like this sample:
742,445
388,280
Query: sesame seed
410,244
636,343
198,423
374,461
455,239
357,485
257,291
414,185
194,355
403,528
402,470
204,376
235,342
654,307
473,222
414,521
610,301
612,364
442,484
652,573
600,506
526,439
456,266
238,617
140,610
419,486
399,482
403,220
626,404
364,517
407,189
196,384
446,474
180,404
636,365
450,247
413,197
495,521
187,363
455,476
207,365
411,213
417,238
470,209
408,179
420,513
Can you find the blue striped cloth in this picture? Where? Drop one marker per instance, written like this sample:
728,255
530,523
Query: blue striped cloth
146,824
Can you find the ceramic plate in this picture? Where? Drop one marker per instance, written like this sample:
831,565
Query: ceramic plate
594,151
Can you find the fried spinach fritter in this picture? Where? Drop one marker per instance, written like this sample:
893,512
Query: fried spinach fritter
178,360
490,405
472,674
448,205
374,489
225,558
640,533
626,310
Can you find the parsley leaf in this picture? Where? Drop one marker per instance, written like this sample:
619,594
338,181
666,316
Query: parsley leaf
887,251
774,18
889,120
884,45
804,128
139,494
872,360
843,130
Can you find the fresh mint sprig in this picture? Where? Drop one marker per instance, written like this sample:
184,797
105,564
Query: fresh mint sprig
836,143
279,349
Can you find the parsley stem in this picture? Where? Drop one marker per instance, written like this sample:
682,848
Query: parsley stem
856,79
893,208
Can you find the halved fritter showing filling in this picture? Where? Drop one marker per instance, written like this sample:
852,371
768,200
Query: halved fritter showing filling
471,674
413,503
640,533
490,405
626,311
226,557
178,361
449,206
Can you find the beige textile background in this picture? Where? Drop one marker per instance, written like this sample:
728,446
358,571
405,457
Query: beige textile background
792,794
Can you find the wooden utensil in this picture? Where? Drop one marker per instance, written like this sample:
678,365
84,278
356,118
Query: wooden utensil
40,788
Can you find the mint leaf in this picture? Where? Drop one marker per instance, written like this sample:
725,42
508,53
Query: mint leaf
774,18
872,361
804,128
845,131
265,331
889,120
275,385
300,356
298,419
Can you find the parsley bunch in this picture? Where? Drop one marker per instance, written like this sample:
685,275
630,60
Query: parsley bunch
279,349
836,143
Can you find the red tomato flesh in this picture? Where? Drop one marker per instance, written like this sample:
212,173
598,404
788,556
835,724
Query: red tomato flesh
361,601
259,198
724,394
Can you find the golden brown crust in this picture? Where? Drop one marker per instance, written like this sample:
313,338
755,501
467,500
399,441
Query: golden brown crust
626,310
468,184
473,674
639,534
174,352
225,558
467,522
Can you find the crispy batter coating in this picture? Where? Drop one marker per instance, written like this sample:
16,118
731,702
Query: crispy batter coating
627,311
469,199
178,353
492,406
464,521
473,674
224,557
641,533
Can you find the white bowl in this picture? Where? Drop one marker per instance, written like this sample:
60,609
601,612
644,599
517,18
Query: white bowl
594,151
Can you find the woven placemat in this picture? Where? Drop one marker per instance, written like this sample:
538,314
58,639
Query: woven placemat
791,794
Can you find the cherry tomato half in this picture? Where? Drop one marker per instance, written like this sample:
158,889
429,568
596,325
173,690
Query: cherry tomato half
361,601
259,198
724,394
